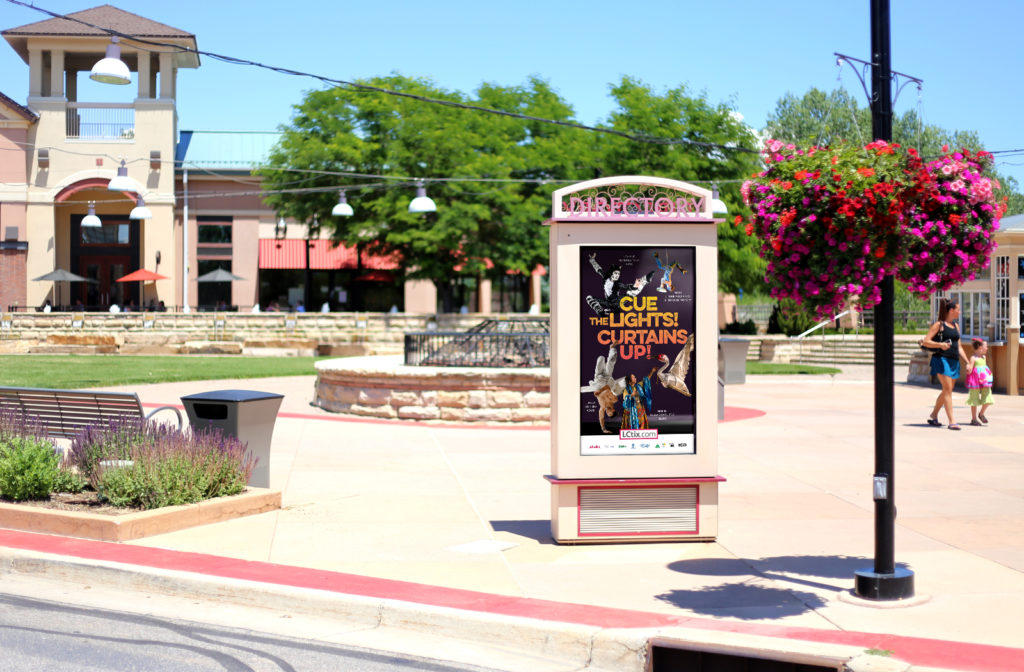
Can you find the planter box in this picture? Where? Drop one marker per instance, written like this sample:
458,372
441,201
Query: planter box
130,526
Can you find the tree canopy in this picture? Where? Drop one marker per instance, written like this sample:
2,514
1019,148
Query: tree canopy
492,175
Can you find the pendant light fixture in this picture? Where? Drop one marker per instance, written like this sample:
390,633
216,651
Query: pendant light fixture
422,202
121,182
91,220
717,205
342,209
140,211
111,70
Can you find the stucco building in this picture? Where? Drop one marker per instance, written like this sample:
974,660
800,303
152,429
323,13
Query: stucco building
58,154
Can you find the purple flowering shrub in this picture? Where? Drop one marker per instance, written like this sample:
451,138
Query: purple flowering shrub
156,465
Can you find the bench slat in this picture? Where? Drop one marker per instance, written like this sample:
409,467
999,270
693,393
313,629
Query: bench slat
64,412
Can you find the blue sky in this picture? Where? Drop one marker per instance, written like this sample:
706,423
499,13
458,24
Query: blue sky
743,52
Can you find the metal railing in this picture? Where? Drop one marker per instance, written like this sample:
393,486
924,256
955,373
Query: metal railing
100,121
474,348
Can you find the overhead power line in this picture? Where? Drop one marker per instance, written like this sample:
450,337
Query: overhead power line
635,137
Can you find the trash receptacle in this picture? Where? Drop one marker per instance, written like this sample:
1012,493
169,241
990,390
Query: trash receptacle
732,360
245,414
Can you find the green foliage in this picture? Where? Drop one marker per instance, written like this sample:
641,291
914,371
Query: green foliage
748,328
29,468
496,219
677,114
790,319
68,480
368,134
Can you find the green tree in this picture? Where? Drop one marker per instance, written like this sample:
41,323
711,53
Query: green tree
488,223
699,131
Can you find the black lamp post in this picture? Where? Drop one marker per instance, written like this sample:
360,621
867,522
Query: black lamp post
885,581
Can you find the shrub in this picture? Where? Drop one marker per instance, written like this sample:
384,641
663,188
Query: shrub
117,440
177,468
29,467
747,328
789,318
68,480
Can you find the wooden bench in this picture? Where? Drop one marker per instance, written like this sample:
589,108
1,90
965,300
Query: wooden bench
62,413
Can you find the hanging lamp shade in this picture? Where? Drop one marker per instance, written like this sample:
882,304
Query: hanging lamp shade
111,69
121,182
91,220
422,202
140,211
342,209
717,205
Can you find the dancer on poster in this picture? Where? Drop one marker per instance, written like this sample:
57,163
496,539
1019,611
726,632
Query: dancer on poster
605,386
636,401
614,289
666,274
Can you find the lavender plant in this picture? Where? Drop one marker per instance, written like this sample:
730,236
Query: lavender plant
177,468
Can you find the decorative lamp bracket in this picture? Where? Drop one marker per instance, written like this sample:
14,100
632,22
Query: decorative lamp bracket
899,79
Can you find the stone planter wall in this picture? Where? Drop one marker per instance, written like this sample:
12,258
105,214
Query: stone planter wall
340,334
382,387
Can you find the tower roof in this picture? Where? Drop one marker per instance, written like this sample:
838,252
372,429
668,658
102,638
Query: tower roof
96,22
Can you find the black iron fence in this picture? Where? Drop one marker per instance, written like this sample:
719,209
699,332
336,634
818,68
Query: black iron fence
495,349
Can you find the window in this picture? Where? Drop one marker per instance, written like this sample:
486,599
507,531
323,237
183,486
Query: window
214,295
1002,308
108,234
1020,268
213,251
214,233
975,313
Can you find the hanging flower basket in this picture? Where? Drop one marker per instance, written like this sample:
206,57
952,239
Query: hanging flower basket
836,221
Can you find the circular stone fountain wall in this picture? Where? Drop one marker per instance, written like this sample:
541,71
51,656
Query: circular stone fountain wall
384,387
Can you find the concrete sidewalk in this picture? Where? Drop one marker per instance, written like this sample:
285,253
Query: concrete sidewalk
453,509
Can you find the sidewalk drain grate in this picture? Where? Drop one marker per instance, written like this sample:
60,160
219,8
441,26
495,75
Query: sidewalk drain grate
671,659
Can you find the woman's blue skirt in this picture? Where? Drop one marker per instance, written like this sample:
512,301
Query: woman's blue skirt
945,366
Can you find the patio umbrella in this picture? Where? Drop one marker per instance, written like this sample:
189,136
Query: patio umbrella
60,275
141,276
218,275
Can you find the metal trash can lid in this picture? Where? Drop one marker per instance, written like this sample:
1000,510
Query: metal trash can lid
232,395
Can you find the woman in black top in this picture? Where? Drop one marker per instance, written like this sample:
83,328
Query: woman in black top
944,336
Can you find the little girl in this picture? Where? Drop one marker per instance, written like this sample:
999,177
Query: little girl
979,383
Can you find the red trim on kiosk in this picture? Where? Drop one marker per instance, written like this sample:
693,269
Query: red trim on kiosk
627,481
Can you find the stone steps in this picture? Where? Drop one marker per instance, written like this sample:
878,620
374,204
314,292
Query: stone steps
829,351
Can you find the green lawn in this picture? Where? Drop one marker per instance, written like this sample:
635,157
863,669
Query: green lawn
77,371
754,368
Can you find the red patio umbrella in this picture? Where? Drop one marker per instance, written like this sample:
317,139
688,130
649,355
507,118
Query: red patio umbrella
141,276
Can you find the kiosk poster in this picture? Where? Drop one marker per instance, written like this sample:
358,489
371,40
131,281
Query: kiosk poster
637,352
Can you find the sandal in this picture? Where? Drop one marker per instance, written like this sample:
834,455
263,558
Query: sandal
954,427
983,419
934,422
975,423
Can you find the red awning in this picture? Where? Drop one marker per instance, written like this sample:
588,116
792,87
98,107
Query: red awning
323,256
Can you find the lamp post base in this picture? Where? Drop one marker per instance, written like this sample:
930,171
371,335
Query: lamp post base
871,585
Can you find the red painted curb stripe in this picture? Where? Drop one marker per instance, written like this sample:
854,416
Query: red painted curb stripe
914,650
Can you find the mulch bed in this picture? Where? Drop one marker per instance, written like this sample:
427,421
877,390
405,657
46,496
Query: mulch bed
87,501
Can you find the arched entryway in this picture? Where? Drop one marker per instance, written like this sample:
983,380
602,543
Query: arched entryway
103,253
